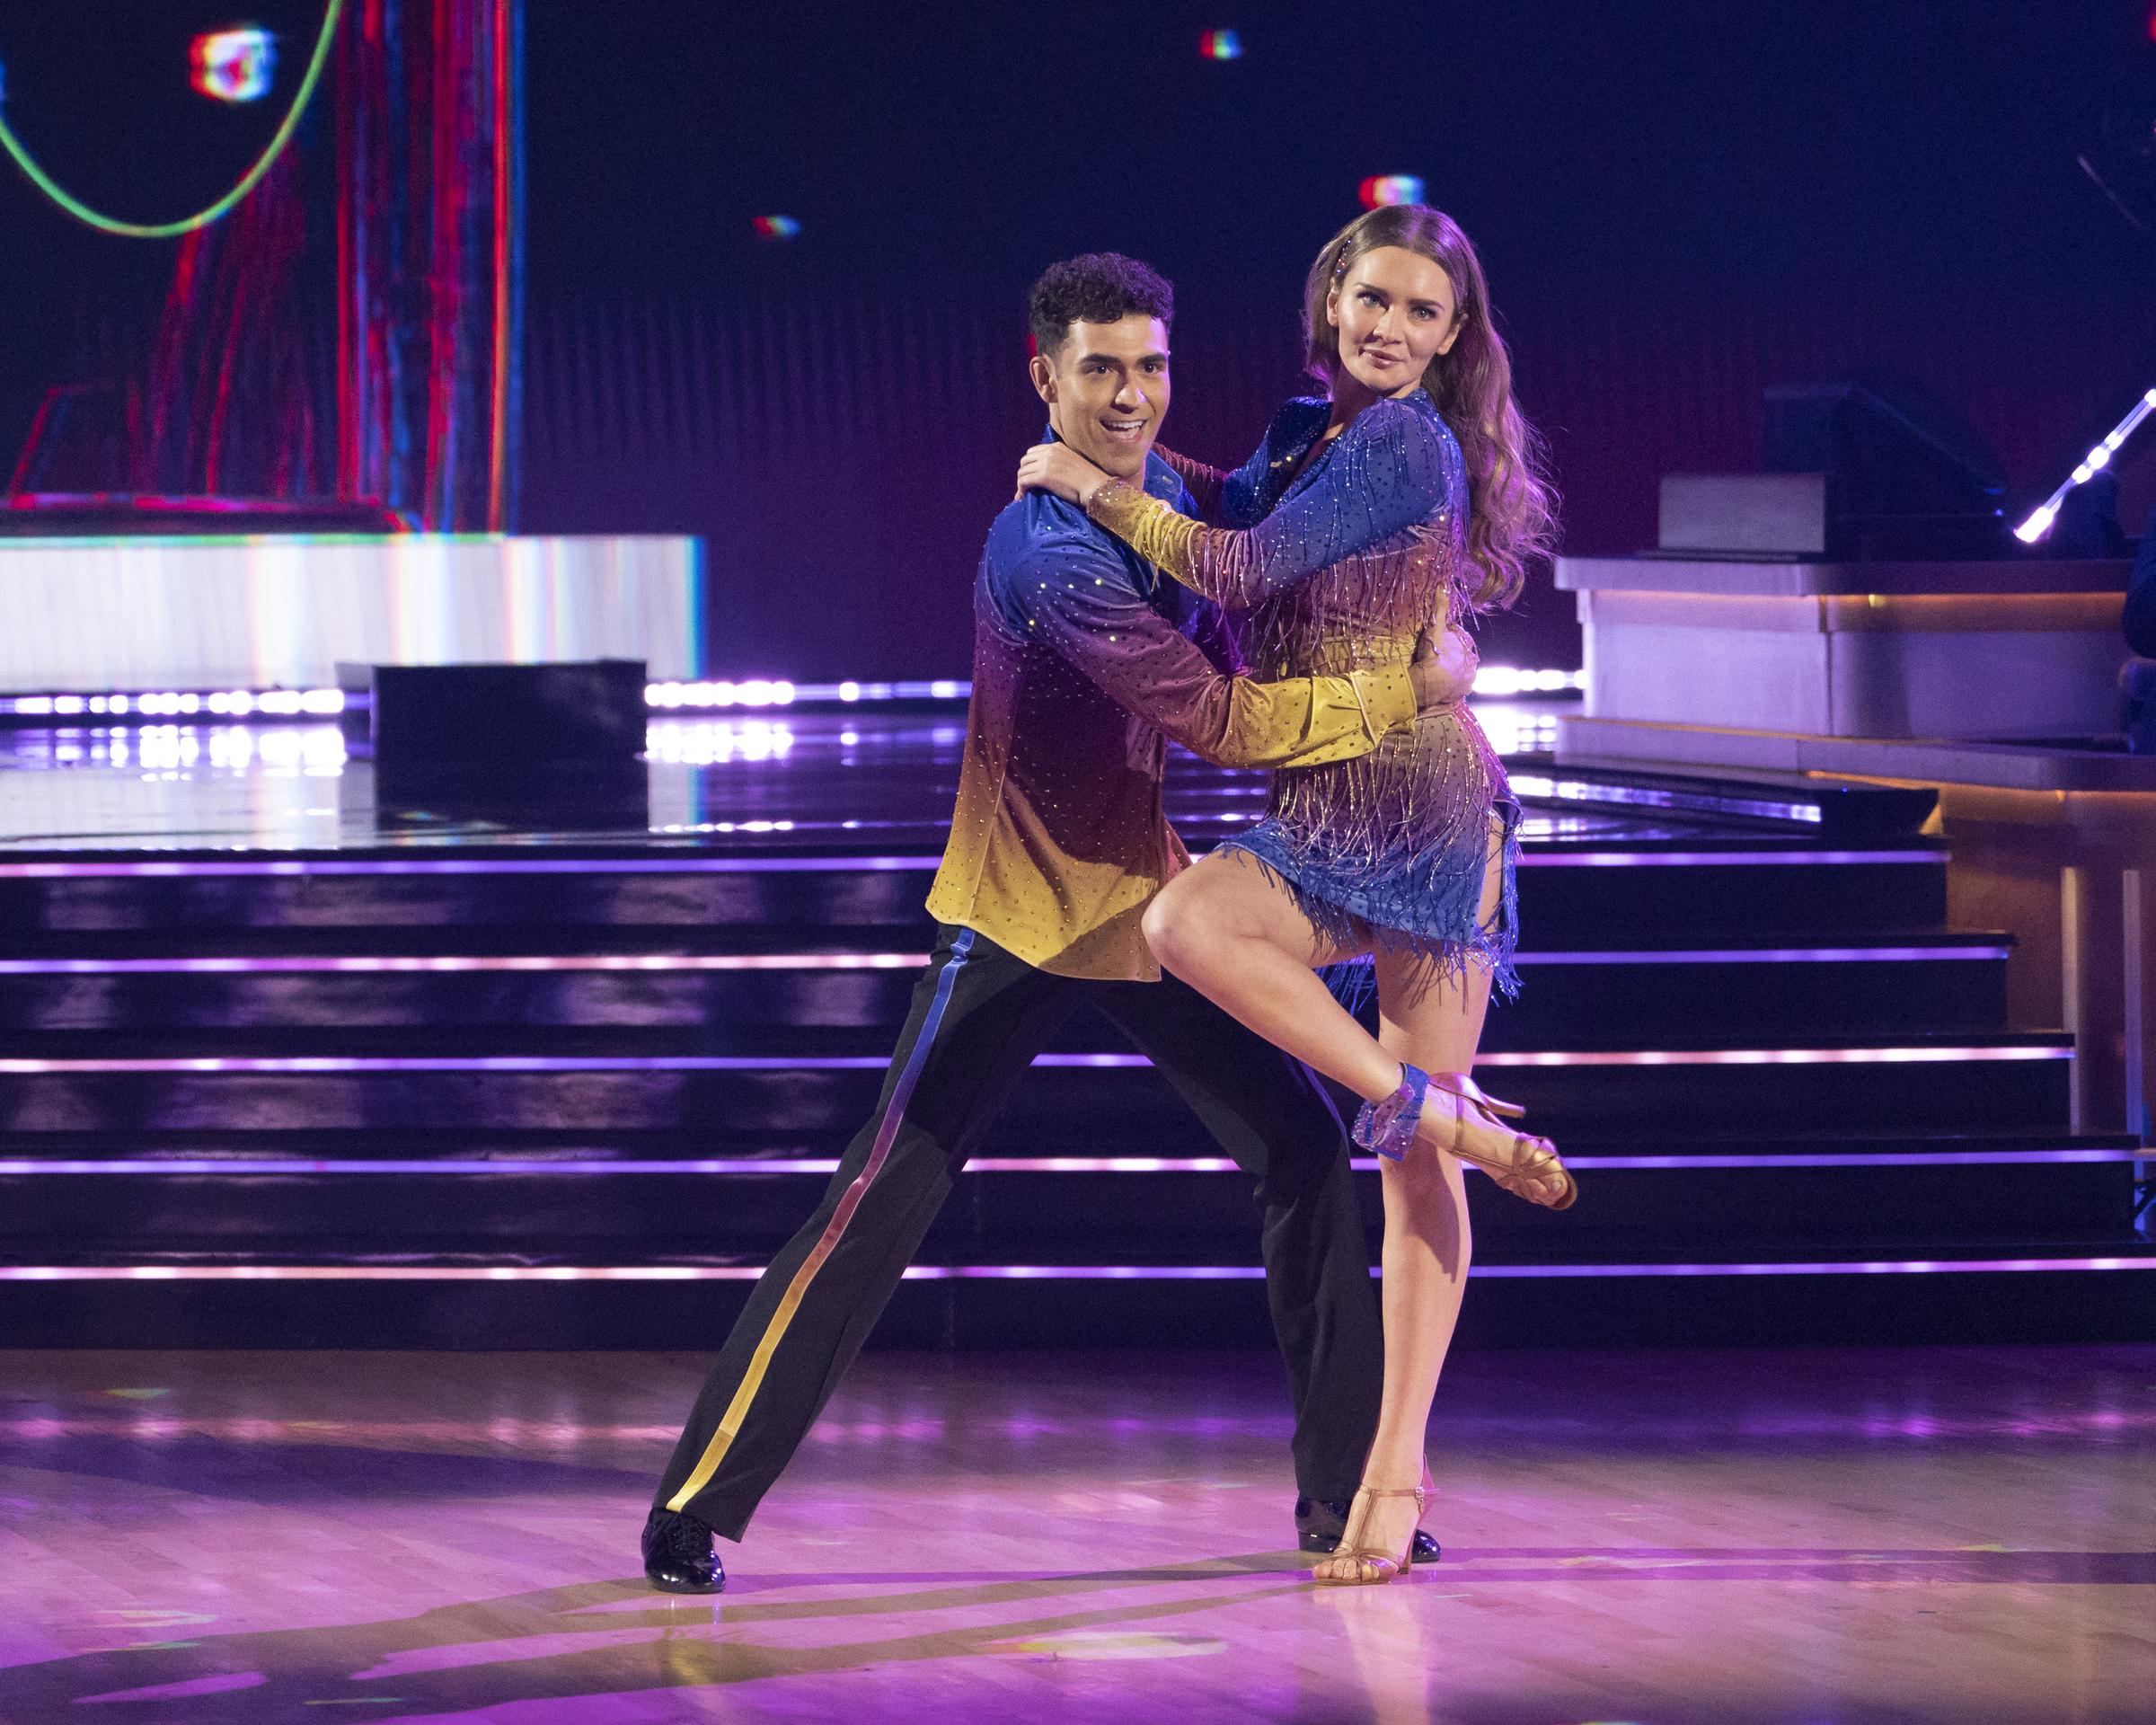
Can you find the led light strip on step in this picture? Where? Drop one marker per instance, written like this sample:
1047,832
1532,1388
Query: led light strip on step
1013,1272
283,964
1541,787
304,1063
480,1167
689,863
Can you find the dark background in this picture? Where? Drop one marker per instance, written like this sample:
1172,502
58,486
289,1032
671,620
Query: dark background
1675,204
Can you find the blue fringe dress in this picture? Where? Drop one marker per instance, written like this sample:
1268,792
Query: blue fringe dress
1337,570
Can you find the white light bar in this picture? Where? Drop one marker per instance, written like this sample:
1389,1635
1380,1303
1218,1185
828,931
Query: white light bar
1492,682
2039,522
1495,681
238,703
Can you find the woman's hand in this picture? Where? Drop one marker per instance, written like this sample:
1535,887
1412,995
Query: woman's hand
1057,467
1443,670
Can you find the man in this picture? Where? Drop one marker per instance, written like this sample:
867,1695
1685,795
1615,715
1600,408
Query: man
1080,667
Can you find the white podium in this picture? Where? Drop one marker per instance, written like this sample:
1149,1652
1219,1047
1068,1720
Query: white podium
278,611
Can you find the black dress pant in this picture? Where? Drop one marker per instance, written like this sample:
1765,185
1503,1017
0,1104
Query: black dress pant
979,1016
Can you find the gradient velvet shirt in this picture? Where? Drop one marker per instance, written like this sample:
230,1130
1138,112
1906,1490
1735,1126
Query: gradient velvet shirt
1083,662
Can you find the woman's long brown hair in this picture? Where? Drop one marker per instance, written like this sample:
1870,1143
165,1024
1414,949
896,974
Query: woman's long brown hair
1512,507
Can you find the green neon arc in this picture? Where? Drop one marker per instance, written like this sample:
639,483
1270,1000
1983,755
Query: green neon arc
105,224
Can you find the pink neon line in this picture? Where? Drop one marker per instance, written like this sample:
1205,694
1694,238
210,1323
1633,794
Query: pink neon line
788,864
368,966
1770,1056
293,866
877,1062
1702,859
608,961
469,1167
497,455
1019,1272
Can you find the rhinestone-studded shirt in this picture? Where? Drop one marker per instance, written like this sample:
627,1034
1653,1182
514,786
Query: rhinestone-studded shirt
1332,572
1083,661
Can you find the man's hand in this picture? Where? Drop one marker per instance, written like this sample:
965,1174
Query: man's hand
1057,467
1443,670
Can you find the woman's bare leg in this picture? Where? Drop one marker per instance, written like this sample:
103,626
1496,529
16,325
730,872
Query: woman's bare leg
1236,935
1435,1021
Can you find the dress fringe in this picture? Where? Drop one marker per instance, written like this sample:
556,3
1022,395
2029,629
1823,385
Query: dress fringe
1493,942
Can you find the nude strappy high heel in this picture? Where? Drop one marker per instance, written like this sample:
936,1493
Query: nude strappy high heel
1467,1128
1522,1163
1371,1565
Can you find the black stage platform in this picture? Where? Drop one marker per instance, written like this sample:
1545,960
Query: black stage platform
281,1066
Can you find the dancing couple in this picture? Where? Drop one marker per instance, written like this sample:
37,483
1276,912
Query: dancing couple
1113,601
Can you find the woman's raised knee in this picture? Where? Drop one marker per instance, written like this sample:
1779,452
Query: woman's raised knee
1178,927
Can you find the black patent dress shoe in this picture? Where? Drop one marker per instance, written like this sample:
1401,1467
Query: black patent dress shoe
679,1556
1321,1521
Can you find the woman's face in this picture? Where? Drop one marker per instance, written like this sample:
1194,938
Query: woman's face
1395,312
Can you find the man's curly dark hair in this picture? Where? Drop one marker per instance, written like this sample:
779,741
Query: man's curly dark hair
1099,288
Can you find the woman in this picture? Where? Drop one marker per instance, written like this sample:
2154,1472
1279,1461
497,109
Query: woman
1407,492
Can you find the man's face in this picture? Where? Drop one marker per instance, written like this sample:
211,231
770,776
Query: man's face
1107,391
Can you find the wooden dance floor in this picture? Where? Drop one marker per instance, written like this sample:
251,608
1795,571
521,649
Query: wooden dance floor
1667,1538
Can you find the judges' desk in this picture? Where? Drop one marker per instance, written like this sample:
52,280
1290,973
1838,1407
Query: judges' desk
279,611
1993,682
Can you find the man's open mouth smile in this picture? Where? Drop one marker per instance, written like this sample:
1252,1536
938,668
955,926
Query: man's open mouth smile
1125,430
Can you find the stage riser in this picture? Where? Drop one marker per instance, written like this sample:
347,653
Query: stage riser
1567,1005
1029,1218
1955,1309
1568,905
1132,1110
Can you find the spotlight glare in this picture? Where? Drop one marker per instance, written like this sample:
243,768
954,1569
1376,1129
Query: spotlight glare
2037,525
775,227
1220,45
233,65
1381,190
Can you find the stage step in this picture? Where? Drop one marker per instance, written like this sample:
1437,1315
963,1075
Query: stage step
1812,984
1996,1081
1572,894
1915,1195
455,1093
2007,1290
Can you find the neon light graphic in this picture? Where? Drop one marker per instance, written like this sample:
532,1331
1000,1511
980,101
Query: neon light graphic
233,65
1018,1272
2093,464
1220,45
775,227
1381,188
224,206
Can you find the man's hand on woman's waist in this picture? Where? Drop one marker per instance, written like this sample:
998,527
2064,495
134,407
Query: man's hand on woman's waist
1443,670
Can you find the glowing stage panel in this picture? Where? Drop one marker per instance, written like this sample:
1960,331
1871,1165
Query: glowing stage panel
280,611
